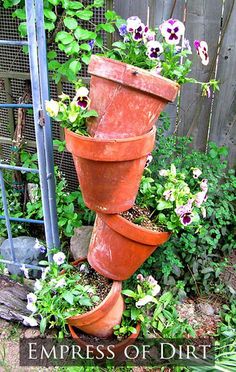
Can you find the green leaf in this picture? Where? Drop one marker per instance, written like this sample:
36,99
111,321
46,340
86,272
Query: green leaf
22,28
50,14
82,34
98,3
90,113
107,27
75,5
110,15
43,324
119,45
19,13
86,15
86,58
75,66
85,302
53,65
85,47
49,26
54,2
68,296
128,293
52,54
162,204
70,23
64,37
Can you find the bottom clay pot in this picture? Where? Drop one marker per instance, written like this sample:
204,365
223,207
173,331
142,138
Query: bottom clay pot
119,247
101,320
117,348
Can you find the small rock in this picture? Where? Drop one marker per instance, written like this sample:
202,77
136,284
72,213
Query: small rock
24,252
32,333
79,243
206,309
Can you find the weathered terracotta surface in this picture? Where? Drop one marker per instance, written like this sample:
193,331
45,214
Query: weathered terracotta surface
118,247
127,99
101,320
109,171
117,348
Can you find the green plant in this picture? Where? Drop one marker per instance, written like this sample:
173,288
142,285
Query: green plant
157,315
72,114
174,203
62,291
196,260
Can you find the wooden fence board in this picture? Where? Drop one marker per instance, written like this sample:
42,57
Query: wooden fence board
223,129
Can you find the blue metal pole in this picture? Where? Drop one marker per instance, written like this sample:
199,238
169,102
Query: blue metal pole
23,220
43,73
13,42
8,224
8,262
16,105
34,71
21,169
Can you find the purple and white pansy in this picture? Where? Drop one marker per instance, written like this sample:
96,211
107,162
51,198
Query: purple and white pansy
185,214
172,30
202,51
82,98
154,49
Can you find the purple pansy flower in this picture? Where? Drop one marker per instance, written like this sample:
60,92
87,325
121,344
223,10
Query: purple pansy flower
172,30
133,23
185,214
82,98
204,185
123,30
148,35
200,198
154,49
91,43
138,33
202,51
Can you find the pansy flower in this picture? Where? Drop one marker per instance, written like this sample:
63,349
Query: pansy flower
172,30
204,185
154,49
168,195
185,214
82,98
148,35
196,172
202,51
133,23
59,258
123,30
149,160
138,33
200,198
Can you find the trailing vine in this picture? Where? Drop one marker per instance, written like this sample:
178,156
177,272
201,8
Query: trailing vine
67,32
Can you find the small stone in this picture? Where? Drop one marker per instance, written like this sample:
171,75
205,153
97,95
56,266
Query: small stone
24,253
31,333
206,309
79,243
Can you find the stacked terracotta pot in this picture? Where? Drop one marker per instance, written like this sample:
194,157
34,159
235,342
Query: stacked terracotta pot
110,163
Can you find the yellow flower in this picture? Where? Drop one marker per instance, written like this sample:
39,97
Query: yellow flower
52,107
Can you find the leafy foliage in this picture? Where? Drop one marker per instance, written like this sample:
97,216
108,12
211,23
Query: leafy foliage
196,260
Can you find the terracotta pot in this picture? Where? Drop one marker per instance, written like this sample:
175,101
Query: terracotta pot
119,247
118,348
101,320
109,171
127,99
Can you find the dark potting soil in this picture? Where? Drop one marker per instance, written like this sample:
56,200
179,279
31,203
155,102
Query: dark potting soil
90,277
93,340
142,217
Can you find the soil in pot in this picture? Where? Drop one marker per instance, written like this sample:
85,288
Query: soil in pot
118,246
128,99
107,312
118,347
141,217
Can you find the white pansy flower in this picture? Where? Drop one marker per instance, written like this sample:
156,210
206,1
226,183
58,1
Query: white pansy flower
52,108
38,285
61,283
31,307
59,258
29,321
25,271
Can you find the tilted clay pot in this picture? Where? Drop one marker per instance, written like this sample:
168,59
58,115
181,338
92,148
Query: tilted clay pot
109,171
119,247
128,99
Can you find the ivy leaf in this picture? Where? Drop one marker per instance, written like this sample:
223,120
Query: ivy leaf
49,26
75,66
50,14
19,13
86,15
22,28
53,65
54,2
98,3
70,23
64,37
86,58
82,34
85,47
107,27
52,54
75,5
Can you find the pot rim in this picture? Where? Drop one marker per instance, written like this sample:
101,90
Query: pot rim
107,303
134,232
120,149
126,74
